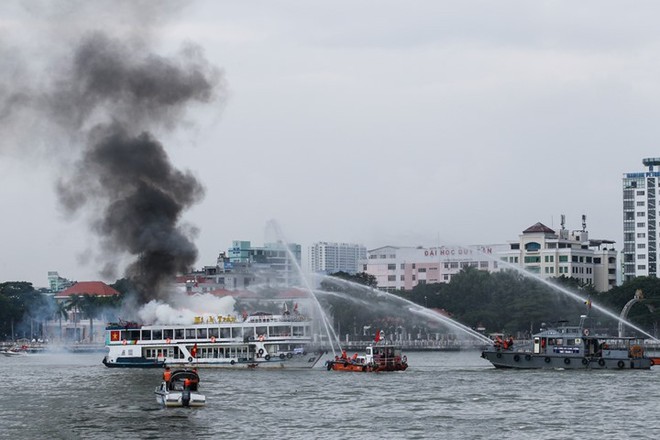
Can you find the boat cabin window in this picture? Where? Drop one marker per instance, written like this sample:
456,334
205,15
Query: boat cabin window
280,330
132,335
157,334
214,332
190,333
178,333
261,331
168,333
146,335
298,330
369,350
225,332
201,333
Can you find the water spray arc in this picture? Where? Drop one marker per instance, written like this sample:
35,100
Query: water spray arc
412,307
568,293
332,336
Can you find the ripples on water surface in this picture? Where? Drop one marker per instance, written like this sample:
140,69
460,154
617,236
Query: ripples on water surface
442,395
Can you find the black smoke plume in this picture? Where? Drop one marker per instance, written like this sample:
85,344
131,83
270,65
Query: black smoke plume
109,98
124,174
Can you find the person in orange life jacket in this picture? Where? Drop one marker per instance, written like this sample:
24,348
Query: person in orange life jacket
167,375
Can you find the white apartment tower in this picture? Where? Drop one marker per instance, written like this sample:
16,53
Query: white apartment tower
640,221
335,257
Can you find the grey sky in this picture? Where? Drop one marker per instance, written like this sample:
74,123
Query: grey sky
377,122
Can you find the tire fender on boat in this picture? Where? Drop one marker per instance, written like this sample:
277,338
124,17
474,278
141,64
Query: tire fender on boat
528,357
282,356
260,352
516,358
585,361
567,361
232,362
289,355
620,364
190,358
547,360
267,357
601,362
499,355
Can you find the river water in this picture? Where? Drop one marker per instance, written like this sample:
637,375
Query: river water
454,395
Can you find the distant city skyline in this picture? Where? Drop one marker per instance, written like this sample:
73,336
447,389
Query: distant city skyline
448,123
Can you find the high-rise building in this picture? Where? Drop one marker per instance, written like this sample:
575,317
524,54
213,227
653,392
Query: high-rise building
640,221
336,257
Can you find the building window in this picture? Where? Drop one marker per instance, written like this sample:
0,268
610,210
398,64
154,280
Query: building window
640,193
563,258
391,267
403,277
641,225
640,203
641,267
641,256
641,214
641,235
422,270
391,278
403,266
641,246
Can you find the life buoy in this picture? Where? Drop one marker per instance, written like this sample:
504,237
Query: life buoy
585,361
261,352
212,338
267,357
190,358
289,355
601,362
585,332
282,356
567,361
516,358
168,340
528,357
547,360
620,364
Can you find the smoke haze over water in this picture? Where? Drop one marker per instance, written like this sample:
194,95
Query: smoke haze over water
108,97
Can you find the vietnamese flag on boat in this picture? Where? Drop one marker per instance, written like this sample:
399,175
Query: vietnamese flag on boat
114,335
378,337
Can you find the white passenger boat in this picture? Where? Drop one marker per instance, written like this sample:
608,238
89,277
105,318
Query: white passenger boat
260,340
182,389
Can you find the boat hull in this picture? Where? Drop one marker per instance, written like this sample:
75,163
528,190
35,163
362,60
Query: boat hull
530,361
175,399
132,362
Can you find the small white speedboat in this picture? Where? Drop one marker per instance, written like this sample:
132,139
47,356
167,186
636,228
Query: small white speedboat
14,352
181,390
